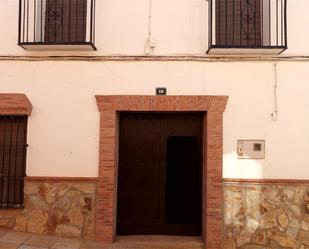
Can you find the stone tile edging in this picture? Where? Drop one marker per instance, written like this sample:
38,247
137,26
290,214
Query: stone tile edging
60,179
267,181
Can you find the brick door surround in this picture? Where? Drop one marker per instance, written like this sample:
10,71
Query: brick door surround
106,200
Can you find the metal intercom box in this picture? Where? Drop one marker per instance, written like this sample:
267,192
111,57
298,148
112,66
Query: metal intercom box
251,149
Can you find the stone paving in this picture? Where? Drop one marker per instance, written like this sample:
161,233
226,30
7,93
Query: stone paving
19,240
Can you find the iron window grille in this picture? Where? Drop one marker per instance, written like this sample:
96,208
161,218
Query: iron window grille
13,146
46,24
247,25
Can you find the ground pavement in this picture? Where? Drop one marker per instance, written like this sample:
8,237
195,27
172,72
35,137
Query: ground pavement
18,240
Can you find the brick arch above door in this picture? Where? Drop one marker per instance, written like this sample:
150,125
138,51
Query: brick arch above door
106,201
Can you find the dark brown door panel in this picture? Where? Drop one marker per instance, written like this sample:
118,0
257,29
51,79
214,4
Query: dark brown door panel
159,179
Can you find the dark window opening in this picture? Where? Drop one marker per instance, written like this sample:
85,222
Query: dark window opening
65,21
13,145
238,22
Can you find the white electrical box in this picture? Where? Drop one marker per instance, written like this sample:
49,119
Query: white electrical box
152,43
251,149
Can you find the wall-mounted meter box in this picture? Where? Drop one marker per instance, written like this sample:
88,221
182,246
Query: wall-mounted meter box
251,149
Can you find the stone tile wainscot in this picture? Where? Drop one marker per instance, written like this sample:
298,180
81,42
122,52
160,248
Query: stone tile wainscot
266,215
56,207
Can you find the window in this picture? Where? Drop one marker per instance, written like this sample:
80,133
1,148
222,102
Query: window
238,23
13,145
65,21
46,24
248,24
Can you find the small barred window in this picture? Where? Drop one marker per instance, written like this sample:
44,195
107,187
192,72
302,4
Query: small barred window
13,146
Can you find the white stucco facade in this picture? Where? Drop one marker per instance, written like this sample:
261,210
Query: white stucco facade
63,130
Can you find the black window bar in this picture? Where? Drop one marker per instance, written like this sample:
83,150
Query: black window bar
70,23
13,146
243,24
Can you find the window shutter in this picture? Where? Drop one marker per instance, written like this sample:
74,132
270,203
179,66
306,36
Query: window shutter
65,21
238,23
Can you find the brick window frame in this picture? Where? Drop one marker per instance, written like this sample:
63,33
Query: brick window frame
14,104
106,201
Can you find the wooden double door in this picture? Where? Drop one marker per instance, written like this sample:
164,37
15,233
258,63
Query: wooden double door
160,174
